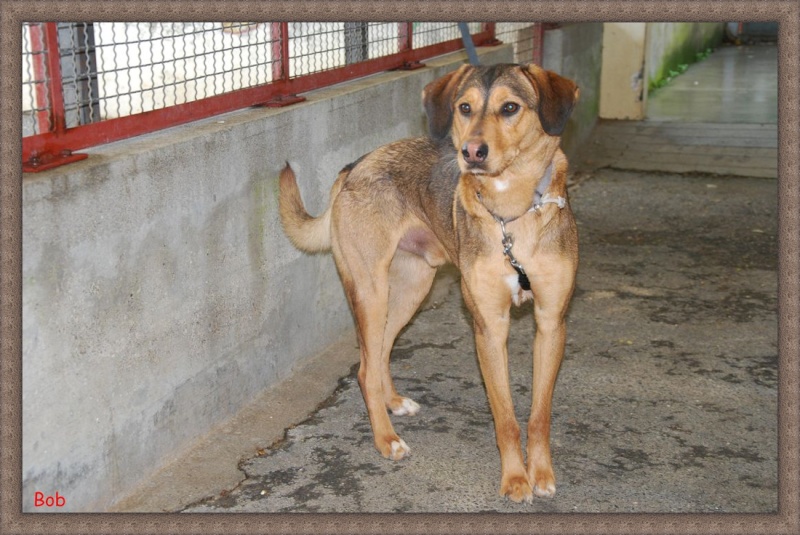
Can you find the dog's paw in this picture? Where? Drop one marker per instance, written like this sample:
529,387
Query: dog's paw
392,447
405,407
517,489
399,449
546,490
544,483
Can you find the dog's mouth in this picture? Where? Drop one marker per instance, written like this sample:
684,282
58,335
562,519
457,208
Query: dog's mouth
484,168
476,168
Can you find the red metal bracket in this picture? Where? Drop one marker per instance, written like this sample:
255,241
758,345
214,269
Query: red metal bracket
282,100
491,42
409,66
45,161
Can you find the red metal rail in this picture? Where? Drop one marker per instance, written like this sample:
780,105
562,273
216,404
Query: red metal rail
47,67
57,145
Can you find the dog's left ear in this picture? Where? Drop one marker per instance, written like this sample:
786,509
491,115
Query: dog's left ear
557,96
438,100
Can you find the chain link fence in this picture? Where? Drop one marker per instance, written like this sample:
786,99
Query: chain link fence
84,73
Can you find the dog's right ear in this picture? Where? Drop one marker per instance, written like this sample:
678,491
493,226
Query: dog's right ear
438,100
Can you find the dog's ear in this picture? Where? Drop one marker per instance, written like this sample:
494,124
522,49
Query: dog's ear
557,97
438,100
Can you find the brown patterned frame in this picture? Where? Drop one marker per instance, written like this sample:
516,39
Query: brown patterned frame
786,12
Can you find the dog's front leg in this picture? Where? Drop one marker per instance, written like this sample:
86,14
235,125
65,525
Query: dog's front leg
490,304
552,288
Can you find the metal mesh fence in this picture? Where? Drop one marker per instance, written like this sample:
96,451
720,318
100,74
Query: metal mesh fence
114,69
79,73
431,33
521,36
315,47
147,66
35,98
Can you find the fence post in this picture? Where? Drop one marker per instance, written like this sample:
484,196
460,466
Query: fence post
492,40
77,43
55,88
280,67
280,64
538,42
405,34
53,93
39,62
355,42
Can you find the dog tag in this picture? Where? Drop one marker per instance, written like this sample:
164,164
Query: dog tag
524,283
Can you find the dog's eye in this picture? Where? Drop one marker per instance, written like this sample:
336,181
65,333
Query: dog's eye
510,108
464,108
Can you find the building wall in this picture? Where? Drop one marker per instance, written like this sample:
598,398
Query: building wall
670,44
622,90
576,51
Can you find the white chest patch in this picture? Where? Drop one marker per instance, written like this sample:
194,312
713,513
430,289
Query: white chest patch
500,185
513,283
518,295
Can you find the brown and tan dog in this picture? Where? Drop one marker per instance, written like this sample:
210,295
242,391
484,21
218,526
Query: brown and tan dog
492,168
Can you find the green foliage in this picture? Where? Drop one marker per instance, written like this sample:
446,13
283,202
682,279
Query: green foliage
700,56
679,69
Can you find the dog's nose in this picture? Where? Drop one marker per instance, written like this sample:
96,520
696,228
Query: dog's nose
474,151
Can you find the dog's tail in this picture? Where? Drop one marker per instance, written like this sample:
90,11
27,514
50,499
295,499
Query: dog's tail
307,233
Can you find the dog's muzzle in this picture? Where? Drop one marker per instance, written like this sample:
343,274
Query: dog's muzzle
474,152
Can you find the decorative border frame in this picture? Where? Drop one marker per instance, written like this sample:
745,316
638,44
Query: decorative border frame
786,12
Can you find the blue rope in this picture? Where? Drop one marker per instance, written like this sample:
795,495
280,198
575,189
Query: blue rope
468,44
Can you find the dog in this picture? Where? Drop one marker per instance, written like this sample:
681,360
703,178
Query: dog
487,191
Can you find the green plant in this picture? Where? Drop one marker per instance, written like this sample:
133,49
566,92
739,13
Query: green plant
699,56
680,69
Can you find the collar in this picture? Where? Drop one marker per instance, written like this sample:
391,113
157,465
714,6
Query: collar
540,198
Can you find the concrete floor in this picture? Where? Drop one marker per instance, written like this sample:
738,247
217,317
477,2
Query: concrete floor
735,84
719,117
667,396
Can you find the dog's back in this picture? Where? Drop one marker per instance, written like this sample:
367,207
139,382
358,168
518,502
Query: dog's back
411,176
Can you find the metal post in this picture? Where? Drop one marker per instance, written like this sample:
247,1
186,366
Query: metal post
55,89
280,59
538,43
355,42
405,35
78,58
40,160
280,64
41,79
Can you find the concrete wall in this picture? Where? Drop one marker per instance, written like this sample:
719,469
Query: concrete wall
159,293
622,90
670,44
575,51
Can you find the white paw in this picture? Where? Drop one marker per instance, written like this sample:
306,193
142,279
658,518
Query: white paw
547,492
399,449
408,407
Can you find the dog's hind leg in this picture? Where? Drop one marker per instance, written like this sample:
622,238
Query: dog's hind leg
364,270
410,279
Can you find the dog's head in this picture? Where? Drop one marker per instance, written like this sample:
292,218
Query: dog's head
494,113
